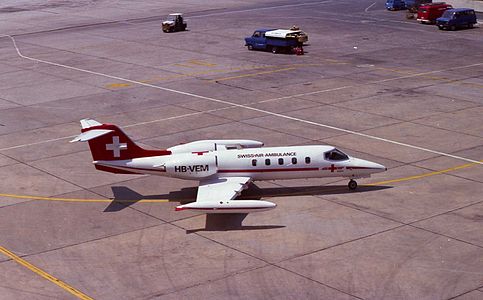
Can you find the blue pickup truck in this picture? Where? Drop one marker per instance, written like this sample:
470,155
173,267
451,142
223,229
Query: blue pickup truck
276,40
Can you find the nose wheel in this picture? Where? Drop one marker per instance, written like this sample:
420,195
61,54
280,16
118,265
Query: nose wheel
352,185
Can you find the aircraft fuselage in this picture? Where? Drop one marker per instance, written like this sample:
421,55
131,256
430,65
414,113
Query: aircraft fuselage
271,163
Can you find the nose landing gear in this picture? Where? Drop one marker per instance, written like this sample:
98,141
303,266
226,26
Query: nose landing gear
352,184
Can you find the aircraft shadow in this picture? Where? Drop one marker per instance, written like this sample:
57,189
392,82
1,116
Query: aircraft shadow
125,197
255,192
227,222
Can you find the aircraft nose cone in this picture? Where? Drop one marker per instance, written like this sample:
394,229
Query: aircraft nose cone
364,167
379,167
372,167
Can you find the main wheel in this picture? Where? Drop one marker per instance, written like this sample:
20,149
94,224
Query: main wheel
352,185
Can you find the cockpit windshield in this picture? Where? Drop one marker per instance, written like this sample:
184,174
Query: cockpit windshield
335,154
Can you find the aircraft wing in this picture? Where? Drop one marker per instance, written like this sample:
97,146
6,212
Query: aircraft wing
221,189
216,196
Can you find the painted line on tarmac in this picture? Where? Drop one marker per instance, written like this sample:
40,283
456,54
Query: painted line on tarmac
267,196
424,175
252,74
209,72
367,8
269,112
260,8
134,125
44,274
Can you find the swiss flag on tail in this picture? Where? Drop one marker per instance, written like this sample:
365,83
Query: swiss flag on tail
109,142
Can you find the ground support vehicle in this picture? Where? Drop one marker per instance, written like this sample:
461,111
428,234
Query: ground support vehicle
413,6
276,40
457,18
174,23
428,13
395,4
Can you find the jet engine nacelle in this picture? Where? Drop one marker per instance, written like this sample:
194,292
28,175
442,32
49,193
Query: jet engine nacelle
213,145
228,207
189,166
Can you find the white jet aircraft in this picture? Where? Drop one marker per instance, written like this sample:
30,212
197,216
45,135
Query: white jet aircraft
223,167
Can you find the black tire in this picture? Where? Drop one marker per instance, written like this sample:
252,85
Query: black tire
274,50
250,47
440,27
470,25
452,28
352,185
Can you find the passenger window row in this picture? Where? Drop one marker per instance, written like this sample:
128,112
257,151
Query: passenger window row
268,162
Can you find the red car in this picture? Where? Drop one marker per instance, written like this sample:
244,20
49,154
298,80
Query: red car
428,13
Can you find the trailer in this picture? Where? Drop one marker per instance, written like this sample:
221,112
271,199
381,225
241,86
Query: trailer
276,40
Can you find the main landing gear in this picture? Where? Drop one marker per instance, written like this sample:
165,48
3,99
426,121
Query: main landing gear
352,184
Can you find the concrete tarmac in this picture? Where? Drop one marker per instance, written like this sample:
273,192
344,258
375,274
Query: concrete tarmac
372,83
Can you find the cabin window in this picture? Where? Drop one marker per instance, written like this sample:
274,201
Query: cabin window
280,161
294,160
307,160
335,155
267,161
254,162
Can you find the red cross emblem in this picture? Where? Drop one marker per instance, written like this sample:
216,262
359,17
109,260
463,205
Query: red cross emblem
200,152
332,168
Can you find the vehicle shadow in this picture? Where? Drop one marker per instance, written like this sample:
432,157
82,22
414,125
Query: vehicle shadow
125,197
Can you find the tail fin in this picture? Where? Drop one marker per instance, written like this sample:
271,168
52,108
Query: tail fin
109,142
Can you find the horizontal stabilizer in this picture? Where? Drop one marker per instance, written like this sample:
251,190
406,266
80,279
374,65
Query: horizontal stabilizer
88,123
91,134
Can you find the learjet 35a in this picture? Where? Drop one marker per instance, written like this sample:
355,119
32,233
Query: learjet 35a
223,167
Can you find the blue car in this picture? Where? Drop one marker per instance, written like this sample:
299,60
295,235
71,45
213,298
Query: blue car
457,18
395,4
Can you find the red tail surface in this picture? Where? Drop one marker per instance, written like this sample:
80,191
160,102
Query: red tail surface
109,142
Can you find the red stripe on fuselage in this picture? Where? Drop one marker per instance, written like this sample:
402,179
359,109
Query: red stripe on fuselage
360,168
268,170
112,170
120,169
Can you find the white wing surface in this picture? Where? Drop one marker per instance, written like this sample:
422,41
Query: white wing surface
221,189
216,196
